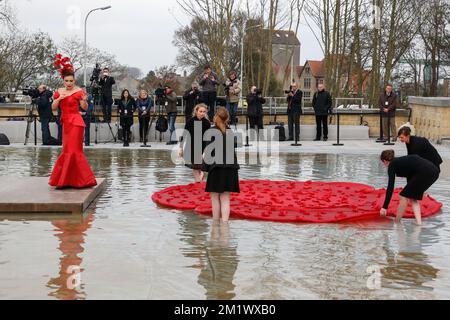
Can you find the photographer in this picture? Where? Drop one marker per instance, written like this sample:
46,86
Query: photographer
294,110
322,104
191,98
87,116
44,104
255,103
232,91
106,82
144,105
171,109
209,83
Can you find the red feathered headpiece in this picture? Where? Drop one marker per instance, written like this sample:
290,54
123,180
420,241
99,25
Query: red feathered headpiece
63,64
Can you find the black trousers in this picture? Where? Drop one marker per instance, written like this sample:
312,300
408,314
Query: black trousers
256,122
45,130
87,131
294,120
143,128
126,132
106,108
209,98
321,122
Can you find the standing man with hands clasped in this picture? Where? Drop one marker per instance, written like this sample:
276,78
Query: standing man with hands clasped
388,105
322,104
294,100
106,82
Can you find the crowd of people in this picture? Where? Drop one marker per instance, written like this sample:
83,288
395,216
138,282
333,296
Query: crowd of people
208,144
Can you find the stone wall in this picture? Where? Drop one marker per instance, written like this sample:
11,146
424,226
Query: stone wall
431,117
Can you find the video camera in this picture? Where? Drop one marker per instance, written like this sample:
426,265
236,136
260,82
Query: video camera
31,92
95,77
160,92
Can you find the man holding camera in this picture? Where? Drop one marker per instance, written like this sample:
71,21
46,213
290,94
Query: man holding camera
106,82
322,104
191,98
209,83
294,110
44,104
255,102
232,91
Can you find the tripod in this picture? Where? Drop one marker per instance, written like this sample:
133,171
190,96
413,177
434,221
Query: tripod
30,120
98,103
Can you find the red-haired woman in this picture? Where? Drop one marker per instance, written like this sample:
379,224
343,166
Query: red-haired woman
72,168
222,165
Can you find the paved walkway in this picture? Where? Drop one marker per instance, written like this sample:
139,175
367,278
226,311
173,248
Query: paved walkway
349,147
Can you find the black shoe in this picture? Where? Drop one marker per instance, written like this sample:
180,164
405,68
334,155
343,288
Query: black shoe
171,142
316,139
290,139
325,139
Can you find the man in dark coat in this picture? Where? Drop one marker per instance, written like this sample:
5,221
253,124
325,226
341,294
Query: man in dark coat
106,82
255,102
191,98
44,104
388,105
420,146
322,105
294,110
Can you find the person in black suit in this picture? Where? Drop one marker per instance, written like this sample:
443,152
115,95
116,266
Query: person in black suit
44,104
322,104
420,146
255,102
294,111
126,108
106,82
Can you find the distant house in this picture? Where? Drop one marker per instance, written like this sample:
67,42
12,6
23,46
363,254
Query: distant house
285,55
313,73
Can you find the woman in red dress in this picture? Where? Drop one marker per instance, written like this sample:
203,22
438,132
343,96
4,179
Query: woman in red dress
72,168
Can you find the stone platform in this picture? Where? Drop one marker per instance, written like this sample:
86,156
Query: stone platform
34,195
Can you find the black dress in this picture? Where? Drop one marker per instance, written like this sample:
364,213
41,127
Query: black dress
420,174
222,174
190,141
423,148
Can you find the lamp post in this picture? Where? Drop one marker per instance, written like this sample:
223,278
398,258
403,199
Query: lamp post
244,31
85,40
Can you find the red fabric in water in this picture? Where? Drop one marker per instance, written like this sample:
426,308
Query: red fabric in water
290,201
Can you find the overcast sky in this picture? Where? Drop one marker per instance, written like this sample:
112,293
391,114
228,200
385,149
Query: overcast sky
138,32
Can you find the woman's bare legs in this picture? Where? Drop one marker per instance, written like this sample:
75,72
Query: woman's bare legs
401,208
225,206
417,212
215,200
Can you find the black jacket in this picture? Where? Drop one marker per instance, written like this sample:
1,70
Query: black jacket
126,111
322,103
44,104
424,149
228,158
295,102
255,105
190,140
191,99
389,102
107,84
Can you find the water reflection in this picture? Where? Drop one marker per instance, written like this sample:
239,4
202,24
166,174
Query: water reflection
71,236
409,267
209,243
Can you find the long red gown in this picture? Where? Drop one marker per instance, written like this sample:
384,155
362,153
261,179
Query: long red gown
72,168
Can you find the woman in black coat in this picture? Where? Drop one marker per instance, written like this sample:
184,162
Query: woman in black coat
255,103
192,144
420,174
126,108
